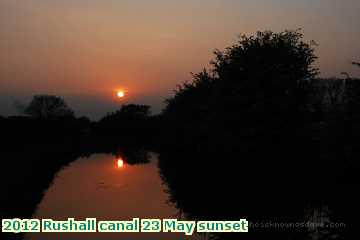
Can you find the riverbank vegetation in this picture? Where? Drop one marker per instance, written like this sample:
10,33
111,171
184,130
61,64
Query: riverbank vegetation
264,137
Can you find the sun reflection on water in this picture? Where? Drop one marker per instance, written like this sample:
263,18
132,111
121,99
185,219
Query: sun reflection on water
120,163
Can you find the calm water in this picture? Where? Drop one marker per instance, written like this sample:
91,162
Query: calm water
104,188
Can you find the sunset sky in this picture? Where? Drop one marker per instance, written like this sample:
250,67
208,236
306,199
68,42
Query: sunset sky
84,50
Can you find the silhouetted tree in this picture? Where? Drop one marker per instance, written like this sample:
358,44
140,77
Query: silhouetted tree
48,107
133,111
258,82
129,123
128,112
192,99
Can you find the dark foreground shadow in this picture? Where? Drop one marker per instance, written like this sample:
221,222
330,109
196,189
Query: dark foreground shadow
214,187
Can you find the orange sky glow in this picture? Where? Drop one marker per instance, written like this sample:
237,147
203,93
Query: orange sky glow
83,50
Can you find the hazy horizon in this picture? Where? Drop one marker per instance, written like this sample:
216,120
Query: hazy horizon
85,50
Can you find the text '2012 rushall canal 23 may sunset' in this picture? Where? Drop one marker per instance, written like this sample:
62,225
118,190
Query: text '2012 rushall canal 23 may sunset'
132,226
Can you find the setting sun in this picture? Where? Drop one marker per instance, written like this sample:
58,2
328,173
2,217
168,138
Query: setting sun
121,94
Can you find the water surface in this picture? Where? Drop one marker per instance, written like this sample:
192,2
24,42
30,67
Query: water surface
104,187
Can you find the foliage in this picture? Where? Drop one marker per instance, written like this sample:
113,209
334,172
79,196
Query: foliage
128,112
48,107
266,65
258,82
129,124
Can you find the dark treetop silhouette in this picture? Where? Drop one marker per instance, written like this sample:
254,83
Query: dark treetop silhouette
47,107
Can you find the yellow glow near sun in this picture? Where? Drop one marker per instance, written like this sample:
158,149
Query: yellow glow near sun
120,94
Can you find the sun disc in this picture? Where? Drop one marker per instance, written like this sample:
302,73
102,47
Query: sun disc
121,94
